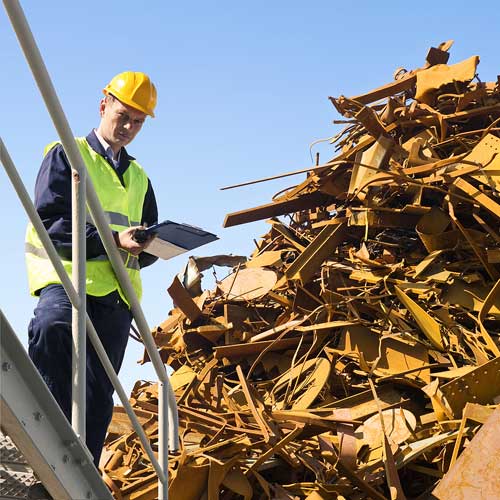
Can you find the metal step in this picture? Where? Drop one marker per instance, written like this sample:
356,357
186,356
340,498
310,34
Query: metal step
33,420
16,476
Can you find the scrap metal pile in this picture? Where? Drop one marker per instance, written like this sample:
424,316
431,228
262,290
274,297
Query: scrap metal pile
356,352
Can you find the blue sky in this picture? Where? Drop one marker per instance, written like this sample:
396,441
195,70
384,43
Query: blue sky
242,92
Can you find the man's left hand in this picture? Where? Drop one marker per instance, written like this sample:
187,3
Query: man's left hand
125,240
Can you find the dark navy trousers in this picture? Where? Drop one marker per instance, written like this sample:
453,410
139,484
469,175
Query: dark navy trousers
50,350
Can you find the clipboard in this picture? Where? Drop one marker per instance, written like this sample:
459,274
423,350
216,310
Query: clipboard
173,238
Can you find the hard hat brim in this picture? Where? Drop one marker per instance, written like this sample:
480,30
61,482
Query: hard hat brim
127,101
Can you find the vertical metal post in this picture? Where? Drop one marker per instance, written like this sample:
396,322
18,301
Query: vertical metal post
163,431
79,347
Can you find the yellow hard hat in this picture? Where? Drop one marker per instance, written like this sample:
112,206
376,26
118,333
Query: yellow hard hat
135,89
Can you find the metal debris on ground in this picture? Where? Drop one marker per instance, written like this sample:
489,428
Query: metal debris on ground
355,354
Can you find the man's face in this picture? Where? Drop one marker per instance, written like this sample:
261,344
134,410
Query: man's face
120,123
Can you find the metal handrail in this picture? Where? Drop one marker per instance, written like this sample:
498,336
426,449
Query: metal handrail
55,259
167,408
35,422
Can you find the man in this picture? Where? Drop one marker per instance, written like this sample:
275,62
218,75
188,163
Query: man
128,201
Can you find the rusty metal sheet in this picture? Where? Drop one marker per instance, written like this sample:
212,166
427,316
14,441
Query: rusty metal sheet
432,79
486,153
183,300
481,385
475,474
367,164
248,284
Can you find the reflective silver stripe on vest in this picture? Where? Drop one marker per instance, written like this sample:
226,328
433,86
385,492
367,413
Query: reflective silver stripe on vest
123,255
133,262
115,218
99,258
39,252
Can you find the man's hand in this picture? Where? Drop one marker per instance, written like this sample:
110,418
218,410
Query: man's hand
125,240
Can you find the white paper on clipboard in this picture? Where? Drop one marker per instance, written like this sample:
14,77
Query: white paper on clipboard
164,249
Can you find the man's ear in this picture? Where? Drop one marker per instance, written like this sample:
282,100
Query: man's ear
102,106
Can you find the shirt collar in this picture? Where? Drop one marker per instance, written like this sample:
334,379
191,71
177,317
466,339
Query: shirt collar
104,144
100,148
115,159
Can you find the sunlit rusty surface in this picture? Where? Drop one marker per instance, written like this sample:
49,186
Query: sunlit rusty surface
475,475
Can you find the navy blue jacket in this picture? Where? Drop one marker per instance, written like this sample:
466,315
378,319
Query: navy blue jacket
53,201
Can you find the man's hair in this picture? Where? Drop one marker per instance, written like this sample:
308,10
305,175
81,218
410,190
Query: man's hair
109,98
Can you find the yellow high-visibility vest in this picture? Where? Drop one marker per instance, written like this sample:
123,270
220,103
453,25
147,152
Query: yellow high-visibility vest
122,206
